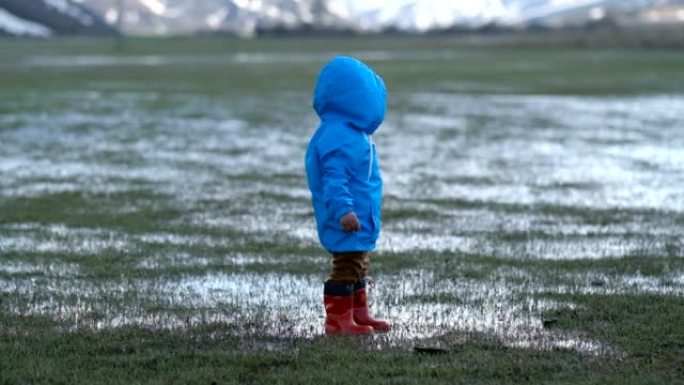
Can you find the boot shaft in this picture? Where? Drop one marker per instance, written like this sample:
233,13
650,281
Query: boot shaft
361,312
339,313
360,299
336,306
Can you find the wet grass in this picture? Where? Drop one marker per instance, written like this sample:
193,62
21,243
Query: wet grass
647,353
524,70
646,328
654,265
155,224
113,211
588,215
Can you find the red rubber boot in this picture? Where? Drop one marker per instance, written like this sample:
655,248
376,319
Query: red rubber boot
339,316
362,314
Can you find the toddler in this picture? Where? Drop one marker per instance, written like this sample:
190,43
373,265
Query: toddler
346,187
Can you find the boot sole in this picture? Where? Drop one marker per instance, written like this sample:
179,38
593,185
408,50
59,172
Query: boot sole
382,330
334,332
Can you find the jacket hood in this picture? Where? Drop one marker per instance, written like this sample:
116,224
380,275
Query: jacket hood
348,91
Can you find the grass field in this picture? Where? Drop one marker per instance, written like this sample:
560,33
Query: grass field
155,224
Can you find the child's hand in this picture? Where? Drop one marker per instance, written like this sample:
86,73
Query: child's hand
350,223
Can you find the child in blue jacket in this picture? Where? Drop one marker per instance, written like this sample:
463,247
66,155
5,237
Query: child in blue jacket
346,187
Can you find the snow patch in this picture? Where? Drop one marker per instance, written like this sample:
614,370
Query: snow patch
17,26
64,7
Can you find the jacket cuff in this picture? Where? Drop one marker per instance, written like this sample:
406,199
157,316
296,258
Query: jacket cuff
342,211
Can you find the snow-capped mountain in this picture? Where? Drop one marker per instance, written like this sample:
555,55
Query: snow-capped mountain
424,15
187,16
50,17
11,24
249,16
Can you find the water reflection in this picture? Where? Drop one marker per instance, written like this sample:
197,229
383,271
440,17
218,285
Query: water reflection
422,305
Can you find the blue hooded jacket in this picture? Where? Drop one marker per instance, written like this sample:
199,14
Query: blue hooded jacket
341,161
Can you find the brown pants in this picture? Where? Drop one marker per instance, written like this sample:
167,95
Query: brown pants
349,267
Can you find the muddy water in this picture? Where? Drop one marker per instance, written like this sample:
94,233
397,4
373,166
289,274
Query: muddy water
512,176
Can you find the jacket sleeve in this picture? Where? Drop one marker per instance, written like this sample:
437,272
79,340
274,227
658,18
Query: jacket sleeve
337,165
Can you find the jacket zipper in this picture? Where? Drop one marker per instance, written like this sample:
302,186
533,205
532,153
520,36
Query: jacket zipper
370,164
